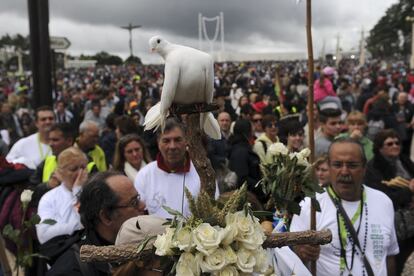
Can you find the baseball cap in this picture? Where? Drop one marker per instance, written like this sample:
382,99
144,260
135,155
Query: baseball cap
139,228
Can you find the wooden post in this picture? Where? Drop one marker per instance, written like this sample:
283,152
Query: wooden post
198,154
310,108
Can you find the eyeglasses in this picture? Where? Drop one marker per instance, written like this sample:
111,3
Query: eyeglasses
133,203
271,125
391,143
257,120
349,165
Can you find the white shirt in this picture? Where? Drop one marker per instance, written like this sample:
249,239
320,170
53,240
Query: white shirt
58,204
158,188
29,151
381,237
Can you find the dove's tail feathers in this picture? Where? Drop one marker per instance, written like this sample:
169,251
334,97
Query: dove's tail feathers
153,117
210,125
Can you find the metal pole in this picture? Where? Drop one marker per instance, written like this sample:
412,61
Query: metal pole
200,36
40,52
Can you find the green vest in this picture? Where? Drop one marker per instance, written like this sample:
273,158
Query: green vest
98,156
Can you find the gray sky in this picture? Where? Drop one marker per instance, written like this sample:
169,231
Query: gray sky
249,25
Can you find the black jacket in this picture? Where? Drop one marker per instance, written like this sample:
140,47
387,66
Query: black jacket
379,169
246,164
69,264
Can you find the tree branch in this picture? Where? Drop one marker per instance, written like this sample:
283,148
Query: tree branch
127,252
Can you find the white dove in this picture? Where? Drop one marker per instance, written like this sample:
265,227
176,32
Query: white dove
188,79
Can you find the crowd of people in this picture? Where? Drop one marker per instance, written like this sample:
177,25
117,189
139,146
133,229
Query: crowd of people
93,167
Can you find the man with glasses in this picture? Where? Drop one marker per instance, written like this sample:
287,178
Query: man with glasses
360,218
32,150
107,200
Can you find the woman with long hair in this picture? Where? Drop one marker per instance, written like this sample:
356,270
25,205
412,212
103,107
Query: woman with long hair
131,155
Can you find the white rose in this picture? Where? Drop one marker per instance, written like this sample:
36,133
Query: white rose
262,262
231,257
164,242
229,233
278,148
254,240
26,196
183,239
227,271
301,159
305,153
187,265
243,223
245,260
213,262
207,238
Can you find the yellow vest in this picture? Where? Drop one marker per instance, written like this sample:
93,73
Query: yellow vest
98,156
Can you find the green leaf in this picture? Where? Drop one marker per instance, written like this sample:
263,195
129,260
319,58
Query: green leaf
35,219
315,204
8,231
261,214
49,221
144,243
172,211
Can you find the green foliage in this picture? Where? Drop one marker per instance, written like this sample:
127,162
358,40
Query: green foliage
383,41
16,42
103,58
22,239
133,60
287,183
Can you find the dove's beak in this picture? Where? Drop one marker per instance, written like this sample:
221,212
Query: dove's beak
152,50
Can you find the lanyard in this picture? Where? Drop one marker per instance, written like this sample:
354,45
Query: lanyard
42,156
343,232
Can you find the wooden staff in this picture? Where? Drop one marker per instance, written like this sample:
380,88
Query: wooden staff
126,252
310,108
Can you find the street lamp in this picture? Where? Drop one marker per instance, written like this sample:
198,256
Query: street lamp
411,19
130,27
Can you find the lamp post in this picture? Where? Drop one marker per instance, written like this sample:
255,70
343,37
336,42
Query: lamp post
411,19
130,27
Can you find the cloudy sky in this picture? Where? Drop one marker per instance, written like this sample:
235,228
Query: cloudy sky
250,26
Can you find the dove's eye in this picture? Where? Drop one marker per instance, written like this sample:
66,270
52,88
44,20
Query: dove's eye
158,41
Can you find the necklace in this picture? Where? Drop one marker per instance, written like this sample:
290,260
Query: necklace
344,233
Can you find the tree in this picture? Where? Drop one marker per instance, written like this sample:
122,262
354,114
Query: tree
14,42
391,36
133,60
103,58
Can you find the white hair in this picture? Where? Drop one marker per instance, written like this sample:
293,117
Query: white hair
86,125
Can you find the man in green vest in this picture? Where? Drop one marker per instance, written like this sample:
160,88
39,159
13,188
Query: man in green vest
61,137
87,141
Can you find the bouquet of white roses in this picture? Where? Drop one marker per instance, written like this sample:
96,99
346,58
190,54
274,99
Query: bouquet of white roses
226,245
287,179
